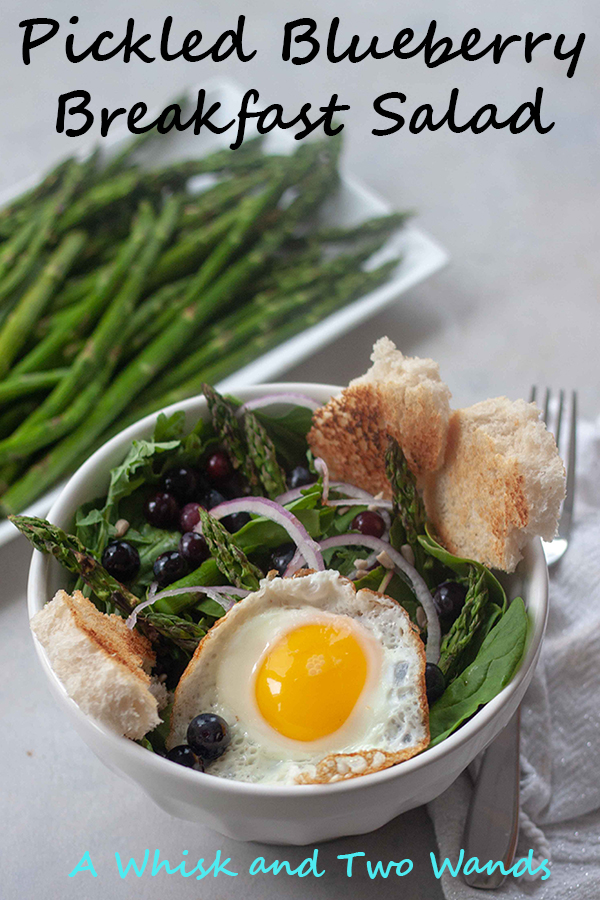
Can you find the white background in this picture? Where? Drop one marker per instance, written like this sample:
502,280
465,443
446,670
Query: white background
519,303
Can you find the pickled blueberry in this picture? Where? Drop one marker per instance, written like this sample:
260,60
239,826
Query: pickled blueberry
185,756
435,682
183,482
162,510
169,567
368,522
208,735
189,517
121,560
449,599
282,557
218,467
212,498
193,548
235,521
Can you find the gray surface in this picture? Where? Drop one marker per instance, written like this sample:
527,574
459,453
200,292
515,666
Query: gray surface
519,304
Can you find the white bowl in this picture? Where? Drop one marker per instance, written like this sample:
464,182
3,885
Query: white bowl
302,814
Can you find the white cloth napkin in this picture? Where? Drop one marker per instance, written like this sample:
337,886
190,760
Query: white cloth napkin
560,750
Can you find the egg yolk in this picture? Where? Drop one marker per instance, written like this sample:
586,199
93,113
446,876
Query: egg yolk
310,680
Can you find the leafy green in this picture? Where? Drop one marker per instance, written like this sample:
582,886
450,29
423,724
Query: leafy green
156,740
493,667
288,433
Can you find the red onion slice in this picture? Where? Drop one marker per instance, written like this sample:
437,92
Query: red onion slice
215,593
289,398
380,504
260,506
341,487
422,592
296,563
294,494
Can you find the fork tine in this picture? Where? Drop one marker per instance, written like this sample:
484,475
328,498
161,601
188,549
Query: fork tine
570,485
559,417
533,393
547,406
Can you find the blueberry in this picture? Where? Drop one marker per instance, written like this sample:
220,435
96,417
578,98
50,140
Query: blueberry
183,482
368,522
189,517
169,567
218,467
193,548
212,498
121,560
208,735
300,476
235,521
449,599
185,756
162,510
435,682
282,557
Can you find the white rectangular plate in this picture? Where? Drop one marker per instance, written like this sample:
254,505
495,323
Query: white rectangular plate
351,204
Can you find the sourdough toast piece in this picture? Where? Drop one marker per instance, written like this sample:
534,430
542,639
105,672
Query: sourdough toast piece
102,664
502,480
402,397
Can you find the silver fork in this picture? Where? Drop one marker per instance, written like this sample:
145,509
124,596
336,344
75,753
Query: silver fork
492,826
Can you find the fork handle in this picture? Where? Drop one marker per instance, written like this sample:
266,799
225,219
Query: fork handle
492,826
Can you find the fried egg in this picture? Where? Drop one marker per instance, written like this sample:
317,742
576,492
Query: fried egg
317,681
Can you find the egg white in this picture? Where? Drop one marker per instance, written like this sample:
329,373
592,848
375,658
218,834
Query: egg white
389,717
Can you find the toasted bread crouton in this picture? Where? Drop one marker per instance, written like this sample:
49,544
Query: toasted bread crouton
102,664
502,480
402,397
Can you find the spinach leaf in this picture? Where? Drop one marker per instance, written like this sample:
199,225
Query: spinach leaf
493,667
288,433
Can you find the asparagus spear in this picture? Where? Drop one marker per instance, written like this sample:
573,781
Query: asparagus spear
164,346
408,503
98,198
231,561
15,245
147,321
217,199
24,202
14,331
78,318
103,347
70,553
227,427
101,351
261,451
9,421
46,222
466,625
24,442
247,337
22,385
189,251
377,227
75,290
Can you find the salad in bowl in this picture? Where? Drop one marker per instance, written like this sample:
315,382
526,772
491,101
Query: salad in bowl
276,594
